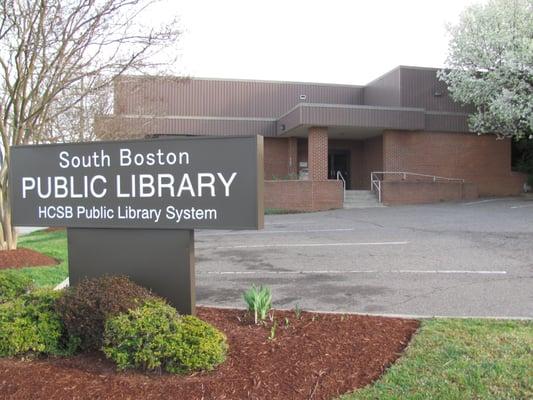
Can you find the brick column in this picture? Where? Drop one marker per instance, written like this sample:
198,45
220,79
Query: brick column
317,156
293,157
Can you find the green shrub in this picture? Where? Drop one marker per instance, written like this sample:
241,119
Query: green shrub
13,284
154,336
85,307
30,324
259,301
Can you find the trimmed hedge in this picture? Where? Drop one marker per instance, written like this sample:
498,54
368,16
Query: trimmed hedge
85,307
13,284
30,324
154,336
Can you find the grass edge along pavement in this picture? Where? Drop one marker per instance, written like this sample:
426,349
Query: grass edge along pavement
460,359
447,359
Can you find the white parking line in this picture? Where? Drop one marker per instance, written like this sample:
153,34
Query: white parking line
256,246
274,232
523,206
290,223
482,201
452,271
321,272
284,272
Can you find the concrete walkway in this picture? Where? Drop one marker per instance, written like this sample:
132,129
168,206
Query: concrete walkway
24,230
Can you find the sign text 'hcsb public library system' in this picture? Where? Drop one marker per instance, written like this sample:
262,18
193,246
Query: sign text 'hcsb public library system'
171,183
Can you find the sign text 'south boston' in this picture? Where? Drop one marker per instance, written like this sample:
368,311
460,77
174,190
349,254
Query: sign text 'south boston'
176,183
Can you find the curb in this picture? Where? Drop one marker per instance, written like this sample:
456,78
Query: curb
384,315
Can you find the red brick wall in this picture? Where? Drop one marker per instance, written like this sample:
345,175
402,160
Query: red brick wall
405,192
276,154
327,195
293,157
317,142
281,158
482,160
288,195
373,152
303,195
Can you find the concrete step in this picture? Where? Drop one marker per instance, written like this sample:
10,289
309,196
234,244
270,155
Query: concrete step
359,194
360,199
352,206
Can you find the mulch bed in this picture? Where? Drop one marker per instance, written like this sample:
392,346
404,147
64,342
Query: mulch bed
54,229
318,356
22,257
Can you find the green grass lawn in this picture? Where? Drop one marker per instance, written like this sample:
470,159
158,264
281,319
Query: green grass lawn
447,359
53,244
461,359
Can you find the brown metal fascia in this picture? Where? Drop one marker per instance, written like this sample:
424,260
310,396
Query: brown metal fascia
344,115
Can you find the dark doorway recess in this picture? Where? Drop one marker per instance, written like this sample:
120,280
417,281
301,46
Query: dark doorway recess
339,160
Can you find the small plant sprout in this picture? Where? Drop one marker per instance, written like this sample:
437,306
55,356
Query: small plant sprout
273,330
259,301
287,322
297,311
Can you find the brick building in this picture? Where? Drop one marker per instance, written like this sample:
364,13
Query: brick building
317,135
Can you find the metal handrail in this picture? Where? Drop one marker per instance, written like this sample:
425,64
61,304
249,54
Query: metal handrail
405,174
339,175
375,182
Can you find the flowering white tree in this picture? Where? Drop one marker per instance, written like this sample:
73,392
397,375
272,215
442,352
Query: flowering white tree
56,57
490,66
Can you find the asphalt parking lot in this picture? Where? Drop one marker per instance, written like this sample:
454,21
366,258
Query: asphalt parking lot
459,259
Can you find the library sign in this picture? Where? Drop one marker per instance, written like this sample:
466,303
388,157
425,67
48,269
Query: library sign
179,183
131,207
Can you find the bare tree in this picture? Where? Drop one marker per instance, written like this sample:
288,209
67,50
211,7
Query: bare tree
76,123
57,55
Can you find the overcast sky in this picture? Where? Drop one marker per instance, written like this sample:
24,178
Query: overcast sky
333,41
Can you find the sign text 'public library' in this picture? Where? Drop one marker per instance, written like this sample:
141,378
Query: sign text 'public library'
178,183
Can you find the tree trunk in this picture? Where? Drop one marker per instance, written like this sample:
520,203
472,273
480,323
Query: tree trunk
8,235
9,231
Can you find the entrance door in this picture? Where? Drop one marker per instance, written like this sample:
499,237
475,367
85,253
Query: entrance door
339,160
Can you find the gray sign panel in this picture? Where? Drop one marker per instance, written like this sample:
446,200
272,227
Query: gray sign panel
171,183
